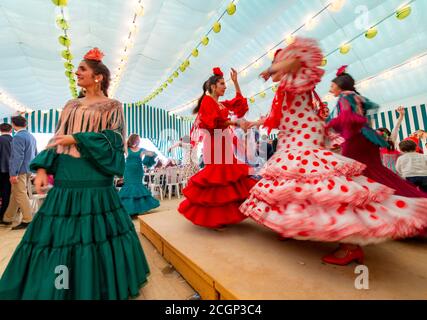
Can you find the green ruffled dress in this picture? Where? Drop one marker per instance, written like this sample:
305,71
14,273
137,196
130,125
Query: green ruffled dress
136,198
81,225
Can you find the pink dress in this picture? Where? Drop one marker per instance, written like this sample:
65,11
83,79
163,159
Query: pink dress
309,193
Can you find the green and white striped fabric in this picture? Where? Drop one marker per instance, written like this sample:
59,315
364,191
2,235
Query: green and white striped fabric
40,121
149,122
157,125
415,119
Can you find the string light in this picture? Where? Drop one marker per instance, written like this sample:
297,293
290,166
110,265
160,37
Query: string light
129,43
344,48
311,23
216,28
289,39
336,5
6,99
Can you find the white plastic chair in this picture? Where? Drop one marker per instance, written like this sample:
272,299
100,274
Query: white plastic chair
156,185
172,180
36,200
183,179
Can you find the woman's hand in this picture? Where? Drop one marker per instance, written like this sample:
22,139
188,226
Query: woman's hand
41,182
401,111
233,75
265,74
62,140
258,123
245,125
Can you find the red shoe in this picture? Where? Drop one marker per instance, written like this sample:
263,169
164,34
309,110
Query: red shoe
350,256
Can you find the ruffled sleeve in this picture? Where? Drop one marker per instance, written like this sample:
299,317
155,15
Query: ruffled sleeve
149,161
209,115
350,119
308,52
238,105
347,122
45,160
104,150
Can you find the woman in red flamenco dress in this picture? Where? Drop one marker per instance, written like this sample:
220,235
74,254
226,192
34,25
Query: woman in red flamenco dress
308,192
214,194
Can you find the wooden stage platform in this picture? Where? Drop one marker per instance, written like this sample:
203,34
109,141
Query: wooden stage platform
247,261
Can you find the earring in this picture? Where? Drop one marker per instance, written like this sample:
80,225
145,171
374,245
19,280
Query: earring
96,80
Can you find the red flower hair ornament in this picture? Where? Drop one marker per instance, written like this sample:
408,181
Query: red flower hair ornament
217,71
94,54
342,70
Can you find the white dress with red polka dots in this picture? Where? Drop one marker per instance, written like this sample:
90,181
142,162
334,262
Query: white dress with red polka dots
308,192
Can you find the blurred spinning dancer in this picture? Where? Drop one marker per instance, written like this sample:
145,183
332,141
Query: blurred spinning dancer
308,192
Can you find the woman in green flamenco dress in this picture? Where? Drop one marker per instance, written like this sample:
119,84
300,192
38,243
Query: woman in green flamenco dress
136,198
81,244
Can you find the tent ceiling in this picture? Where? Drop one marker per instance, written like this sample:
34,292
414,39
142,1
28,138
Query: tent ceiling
32,69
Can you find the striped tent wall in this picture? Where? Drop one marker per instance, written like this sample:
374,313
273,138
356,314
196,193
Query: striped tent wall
415,119
156,124
165,129
40,121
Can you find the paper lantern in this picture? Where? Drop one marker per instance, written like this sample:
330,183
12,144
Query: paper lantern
66,54
64,41
61,23
175,74
252,100
68,74
205,40
195,53
324,62
345,48
262,94
170,80
68,65
231,9
371,33
186,63
216,27
165,85
60,3
404,12
182,67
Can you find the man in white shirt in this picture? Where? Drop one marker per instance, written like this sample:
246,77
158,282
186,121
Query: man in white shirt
412,165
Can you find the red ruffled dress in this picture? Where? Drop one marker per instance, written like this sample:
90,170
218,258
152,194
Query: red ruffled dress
214,194
309,193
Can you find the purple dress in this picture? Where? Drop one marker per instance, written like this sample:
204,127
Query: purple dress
363,144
